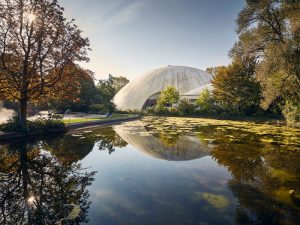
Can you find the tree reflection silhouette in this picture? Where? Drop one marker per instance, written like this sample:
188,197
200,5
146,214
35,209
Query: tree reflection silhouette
108,139
37,187
74,148
262,175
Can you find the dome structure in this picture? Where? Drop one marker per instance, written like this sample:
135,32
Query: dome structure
195,92
136,93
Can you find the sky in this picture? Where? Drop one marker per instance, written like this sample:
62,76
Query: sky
131,37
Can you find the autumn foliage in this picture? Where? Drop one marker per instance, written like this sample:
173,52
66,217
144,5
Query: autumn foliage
38,52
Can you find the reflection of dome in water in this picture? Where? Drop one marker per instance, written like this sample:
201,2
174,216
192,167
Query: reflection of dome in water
185,79
185,148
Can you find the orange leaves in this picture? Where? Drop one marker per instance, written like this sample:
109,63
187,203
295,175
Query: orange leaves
37,61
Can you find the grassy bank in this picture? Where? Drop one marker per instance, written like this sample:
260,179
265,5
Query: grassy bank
68,121
44,124
48,126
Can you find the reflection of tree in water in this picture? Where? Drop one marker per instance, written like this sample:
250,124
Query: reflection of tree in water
108,139
262,177
169,140
38,188
74,148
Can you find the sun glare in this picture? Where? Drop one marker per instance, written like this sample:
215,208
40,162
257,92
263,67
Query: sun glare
31,200
31,17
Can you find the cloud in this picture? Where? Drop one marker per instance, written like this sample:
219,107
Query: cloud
126,15
118,13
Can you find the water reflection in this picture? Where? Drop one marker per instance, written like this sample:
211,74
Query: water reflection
172,147
42,180
37,187
105,139
225,176
262,177
262,174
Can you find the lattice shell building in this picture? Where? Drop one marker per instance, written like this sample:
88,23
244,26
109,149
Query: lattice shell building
188,81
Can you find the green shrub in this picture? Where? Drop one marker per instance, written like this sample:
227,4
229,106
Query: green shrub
185,107
12,125
161,110
103,108
173,111
150,110
98,108
205,102
168,97
40,125
111,107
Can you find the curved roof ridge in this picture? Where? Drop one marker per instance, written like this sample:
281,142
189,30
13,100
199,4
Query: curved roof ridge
198,90
135,93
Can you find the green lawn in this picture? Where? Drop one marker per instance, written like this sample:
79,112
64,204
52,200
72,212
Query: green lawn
84,120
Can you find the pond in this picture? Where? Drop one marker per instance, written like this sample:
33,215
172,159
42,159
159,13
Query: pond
154,171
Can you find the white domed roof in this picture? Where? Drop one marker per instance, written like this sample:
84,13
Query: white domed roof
198,90
185,79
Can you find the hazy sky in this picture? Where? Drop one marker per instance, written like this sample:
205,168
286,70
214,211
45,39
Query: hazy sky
130,37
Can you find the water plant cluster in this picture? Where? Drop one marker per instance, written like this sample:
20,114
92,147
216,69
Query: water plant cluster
229,131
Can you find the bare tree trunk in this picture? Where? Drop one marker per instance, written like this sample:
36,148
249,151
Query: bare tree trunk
23,113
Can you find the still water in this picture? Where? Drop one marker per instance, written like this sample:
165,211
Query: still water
140,173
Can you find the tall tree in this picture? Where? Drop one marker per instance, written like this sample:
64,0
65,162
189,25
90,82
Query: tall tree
213,70
235,88
205,101
37,49
168,97
106,91
84,94
118,82
269,30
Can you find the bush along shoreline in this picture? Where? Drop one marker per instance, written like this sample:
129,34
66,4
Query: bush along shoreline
53,123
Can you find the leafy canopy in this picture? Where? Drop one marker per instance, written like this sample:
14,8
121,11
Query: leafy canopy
38,50
168,96
205,101
118,82
269,32
236,89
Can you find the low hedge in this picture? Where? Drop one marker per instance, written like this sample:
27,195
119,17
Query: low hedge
40,125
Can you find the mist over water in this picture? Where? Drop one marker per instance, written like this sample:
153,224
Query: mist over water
5,114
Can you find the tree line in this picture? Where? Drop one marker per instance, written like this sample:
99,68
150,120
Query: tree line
263,78
265,71
92,97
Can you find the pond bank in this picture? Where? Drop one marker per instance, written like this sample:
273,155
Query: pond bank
68,127
108,121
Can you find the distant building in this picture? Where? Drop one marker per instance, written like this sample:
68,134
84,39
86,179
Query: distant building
145,90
